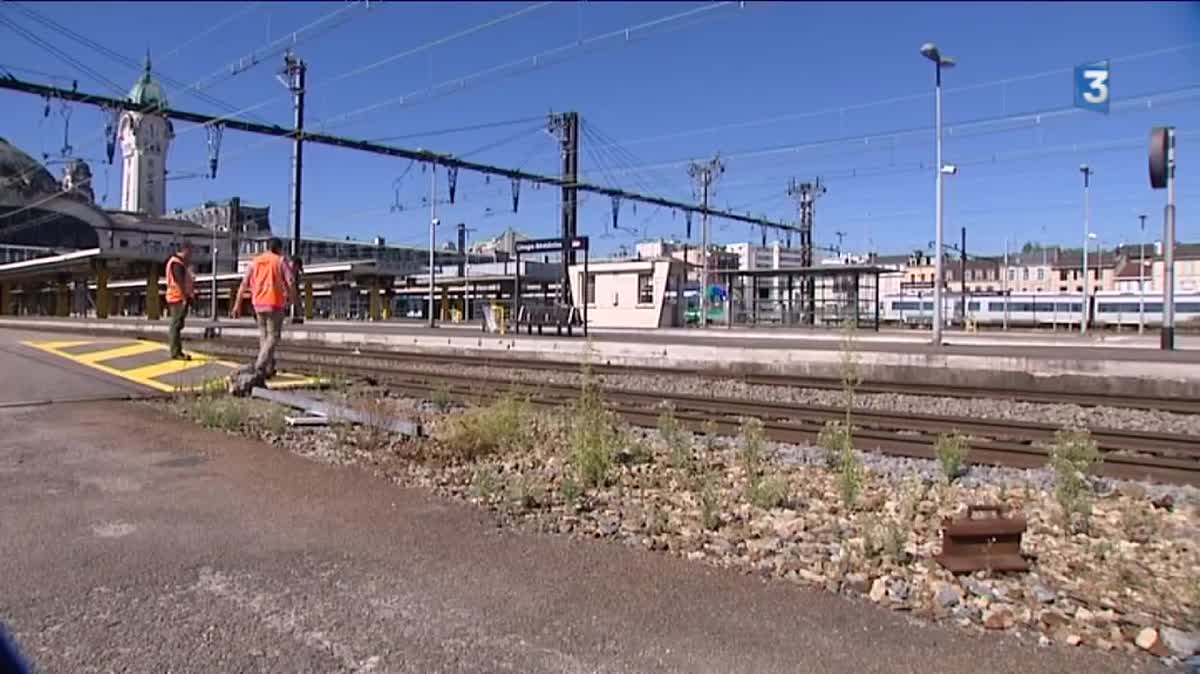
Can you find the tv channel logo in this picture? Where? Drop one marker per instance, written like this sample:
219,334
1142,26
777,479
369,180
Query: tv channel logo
1092,86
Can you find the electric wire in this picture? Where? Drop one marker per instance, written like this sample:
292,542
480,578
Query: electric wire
116,56
519,66
888,101
209,31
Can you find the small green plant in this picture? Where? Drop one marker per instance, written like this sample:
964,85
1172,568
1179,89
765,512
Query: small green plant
501,426
675,438
275,421
376,415
767,493
570,490
850,477
220,412
441,396
636,452
594,438
833,438
872,546
710,504
712,435
951,452
1141,524
486,483
1074,452
524,493
752,453
895,537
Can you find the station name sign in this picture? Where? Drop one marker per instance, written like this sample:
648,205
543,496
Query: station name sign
551,245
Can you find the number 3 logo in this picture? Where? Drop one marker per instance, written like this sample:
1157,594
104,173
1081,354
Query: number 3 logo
1098,83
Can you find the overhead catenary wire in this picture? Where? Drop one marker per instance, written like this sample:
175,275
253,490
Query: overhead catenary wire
1175,94
55,51
209,31
535,61
676,135
277,47
357,71
116,56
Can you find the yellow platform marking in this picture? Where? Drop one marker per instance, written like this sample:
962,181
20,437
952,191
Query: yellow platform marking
156,370
136,349
147,375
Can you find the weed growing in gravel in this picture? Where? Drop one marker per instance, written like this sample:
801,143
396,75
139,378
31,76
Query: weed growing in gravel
486,483
767,493
636,452
275,421
1141,524
712,435
850,477
570,490
441,396
752,453
674,437
524,494
376,416
1072,455
501,426
220,412
895,537
710,504
951,452
833,438
594,438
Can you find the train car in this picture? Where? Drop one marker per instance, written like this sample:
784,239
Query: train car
1106,310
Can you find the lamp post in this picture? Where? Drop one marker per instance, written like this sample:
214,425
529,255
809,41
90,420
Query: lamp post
1087,218
930,51
1142,277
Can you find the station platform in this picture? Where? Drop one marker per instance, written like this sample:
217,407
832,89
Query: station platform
1106,363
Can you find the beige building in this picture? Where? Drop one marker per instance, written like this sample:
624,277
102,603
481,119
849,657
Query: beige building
631,293
982,274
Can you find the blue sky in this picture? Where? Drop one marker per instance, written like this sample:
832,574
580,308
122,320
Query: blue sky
780,89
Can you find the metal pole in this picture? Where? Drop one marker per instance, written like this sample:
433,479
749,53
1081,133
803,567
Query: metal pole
1142,277
296,70
1087,226
962,283
432,236
706,179
1168,329
213,271
1004,280
937,266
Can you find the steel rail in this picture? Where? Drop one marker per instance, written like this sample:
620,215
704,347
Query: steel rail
895,434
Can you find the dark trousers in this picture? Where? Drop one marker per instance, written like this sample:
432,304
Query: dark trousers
178,311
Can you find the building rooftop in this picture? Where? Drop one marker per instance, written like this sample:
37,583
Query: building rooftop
147,91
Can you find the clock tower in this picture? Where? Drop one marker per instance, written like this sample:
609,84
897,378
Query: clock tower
145,137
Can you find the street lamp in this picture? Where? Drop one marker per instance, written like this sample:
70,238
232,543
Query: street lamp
930,51
1087,218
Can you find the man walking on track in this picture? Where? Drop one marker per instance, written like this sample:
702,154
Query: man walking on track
269,282
181,292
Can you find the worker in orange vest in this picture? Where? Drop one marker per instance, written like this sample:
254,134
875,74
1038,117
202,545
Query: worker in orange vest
181,292
269,282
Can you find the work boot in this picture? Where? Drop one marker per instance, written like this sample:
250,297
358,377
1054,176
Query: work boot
181,356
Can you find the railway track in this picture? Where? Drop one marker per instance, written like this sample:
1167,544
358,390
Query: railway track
1176,405
1160,457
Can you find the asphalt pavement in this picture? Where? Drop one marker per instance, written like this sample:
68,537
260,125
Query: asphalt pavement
133,542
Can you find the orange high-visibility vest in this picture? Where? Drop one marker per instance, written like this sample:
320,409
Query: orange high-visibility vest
268,284
175,292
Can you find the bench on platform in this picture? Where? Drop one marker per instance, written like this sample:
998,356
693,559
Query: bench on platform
553,315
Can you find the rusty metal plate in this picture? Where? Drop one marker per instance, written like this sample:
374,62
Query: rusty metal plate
988,543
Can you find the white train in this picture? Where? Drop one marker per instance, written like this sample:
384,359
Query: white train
1107,309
